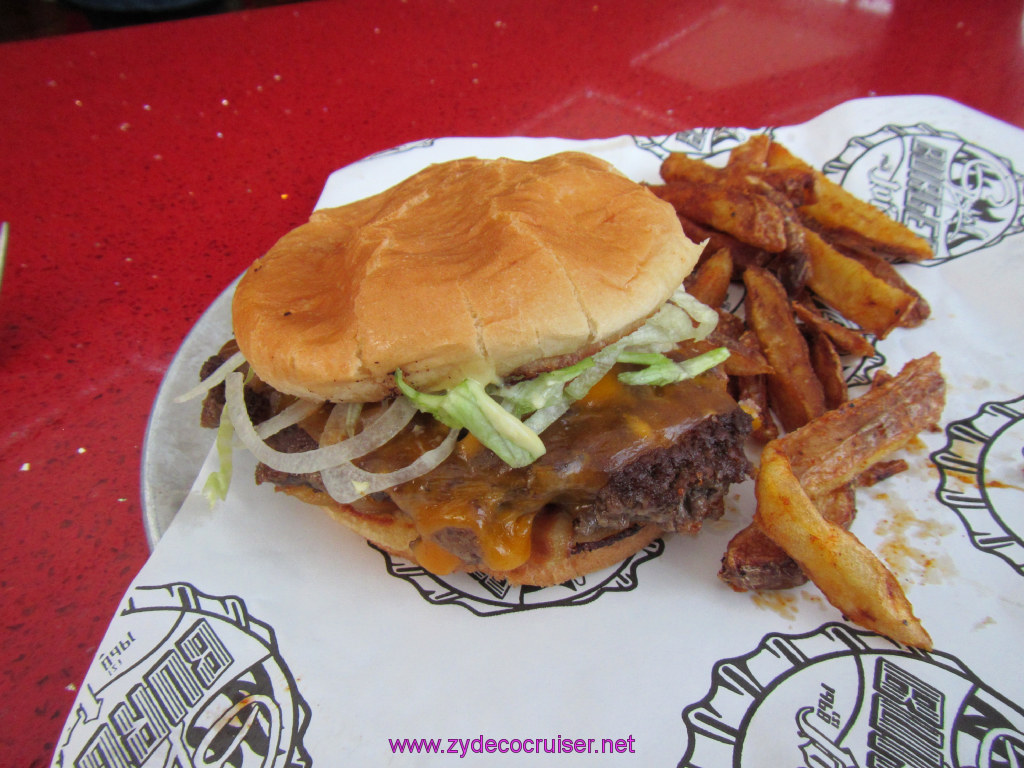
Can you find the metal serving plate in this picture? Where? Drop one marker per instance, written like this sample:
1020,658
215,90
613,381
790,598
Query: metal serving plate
175,445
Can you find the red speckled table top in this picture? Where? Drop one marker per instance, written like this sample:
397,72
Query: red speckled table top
143,169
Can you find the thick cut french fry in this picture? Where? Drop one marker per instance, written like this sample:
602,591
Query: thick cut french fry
793,265
750,359
837,447
729,202
742,254
829,368
735,209
754,562
830,453
884,270
796,184
849,221
751,156
795,393
848,341
784,228
679,166
730,325
709,282
848,573
850,288
849,444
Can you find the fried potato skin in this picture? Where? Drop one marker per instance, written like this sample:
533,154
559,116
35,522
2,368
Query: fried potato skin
795,391
796,241
848,573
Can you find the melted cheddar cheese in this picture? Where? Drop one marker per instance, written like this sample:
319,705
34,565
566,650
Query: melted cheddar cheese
488,509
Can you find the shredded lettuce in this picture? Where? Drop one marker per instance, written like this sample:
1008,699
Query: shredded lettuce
216,486
495,416
468,406
542,391
660,371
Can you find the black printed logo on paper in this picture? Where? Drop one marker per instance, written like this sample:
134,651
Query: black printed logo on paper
192,680
958,196
699,142
981,471
486,596
845,698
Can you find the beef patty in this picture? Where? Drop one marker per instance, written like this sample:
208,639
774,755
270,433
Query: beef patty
621,457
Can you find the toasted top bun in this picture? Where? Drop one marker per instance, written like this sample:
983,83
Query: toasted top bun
470,268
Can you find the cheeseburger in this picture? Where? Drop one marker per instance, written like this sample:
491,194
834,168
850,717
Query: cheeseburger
479,370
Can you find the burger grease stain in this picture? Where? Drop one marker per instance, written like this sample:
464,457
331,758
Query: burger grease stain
922,561
988,621
786,602
782,602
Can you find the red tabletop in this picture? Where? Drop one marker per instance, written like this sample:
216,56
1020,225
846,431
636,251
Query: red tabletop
143,168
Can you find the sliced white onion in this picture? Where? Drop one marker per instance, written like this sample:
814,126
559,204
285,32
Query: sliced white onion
347,482
293,414
213,379
389,424
344,418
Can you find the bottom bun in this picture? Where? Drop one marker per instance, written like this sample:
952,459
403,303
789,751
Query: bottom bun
555,557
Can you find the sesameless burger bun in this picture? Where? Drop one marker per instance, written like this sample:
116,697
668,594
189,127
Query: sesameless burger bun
495,271
479,268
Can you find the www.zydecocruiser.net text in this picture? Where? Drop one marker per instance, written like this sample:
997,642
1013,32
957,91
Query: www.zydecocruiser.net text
478,745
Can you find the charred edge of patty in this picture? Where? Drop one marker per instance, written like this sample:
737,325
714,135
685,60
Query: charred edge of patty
678,487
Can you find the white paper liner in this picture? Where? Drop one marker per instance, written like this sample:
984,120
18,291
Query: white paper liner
263,607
